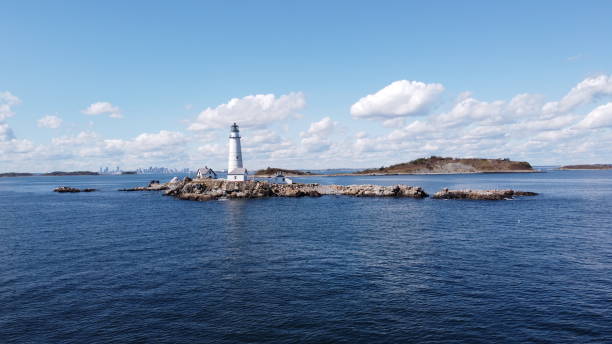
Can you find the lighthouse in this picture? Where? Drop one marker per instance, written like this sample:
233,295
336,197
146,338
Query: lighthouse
235,171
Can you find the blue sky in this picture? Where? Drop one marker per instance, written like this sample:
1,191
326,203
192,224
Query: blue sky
160,65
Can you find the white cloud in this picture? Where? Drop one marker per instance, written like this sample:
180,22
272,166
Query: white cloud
471,109
7,101
523,127
250,111
583,93
520,127
149,142
6,133
399,99
260,137
49,121
394,122
600,117
317,137
103,108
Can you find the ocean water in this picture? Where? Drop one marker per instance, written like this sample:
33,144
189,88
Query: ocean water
139,267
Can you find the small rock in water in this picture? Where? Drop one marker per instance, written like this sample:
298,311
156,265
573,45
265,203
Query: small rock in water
64,189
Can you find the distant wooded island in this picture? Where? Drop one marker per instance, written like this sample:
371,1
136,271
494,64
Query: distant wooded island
15,174
55,173
431,165
436,164
587,167
74,173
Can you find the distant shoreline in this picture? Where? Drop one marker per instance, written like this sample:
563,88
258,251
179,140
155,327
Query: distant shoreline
585,167
49,174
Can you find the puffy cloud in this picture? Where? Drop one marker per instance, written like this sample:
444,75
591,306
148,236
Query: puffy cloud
545,124
471,109
322,128
6,133
49,121
600,117
7,101
149,142
82,138
103,108
399,99
250,111
14,149
317,137
260,137
583,93
522,127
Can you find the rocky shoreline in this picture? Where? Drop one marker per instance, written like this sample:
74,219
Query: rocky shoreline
212,189
488,195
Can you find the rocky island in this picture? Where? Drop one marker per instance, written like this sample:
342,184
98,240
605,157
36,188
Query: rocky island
587,167
211,189
439,165
486,195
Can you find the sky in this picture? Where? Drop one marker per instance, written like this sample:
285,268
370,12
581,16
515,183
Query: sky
312,84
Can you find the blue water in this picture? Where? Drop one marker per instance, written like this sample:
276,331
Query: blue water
116,267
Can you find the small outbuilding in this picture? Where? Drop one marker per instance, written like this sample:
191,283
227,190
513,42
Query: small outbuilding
281,179
206,173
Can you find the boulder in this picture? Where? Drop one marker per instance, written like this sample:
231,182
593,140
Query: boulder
64,189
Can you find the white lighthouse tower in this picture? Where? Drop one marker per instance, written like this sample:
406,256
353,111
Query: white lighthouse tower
235,171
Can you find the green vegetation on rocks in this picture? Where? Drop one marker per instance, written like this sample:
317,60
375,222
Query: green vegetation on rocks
273,171
435,164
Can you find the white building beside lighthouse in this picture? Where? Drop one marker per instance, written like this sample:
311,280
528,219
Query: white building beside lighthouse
235,171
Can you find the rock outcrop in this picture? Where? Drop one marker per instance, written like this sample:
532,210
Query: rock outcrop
210,189
489,195
67,189
153,185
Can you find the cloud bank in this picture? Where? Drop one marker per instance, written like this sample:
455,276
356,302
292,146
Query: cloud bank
250,111
577,128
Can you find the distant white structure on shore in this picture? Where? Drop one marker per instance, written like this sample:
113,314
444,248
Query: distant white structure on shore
206,173
235,171
281,179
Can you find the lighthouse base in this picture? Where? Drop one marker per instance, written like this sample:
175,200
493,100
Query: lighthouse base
237,175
